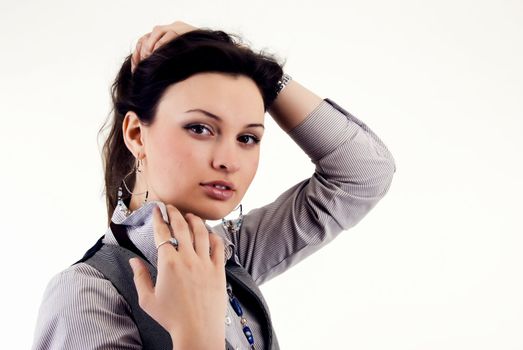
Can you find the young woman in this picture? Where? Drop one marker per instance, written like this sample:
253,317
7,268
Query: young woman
184,144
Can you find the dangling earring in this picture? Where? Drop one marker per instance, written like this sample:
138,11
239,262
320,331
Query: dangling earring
234,226
135,170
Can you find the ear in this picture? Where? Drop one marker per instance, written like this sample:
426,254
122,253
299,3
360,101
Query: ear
132,130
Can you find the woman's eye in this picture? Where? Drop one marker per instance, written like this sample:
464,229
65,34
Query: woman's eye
249,139
199,129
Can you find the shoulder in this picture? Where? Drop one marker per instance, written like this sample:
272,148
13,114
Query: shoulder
80,306
83,282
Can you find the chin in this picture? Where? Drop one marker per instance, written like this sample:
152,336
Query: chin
214,212
206,209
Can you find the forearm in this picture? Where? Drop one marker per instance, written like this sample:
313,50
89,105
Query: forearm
353,172
293,105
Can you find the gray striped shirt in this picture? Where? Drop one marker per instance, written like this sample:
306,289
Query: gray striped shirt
354,169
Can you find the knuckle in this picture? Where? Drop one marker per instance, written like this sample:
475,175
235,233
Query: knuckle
217,238
200,232
192,218
216,243
139,274
171,209
177,221
178,225
145,42
191,268
170,262
162,230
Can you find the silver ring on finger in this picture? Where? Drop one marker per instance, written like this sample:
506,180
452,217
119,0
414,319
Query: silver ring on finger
171,240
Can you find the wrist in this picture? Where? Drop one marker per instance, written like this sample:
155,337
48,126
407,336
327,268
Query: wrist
282,83
293,105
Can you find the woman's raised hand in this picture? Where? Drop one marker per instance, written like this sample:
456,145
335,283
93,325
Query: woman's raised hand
156,38
189,299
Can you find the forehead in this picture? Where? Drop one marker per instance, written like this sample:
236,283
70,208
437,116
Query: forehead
233,98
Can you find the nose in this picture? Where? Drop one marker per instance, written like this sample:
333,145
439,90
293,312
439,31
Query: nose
225,157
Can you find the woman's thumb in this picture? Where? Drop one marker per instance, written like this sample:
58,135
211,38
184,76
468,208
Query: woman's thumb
142,280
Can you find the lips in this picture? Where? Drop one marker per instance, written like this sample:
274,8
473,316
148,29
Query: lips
220,190
223,185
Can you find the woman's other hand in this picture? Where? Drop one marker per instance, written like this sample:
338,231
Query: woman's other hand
156,38
189,299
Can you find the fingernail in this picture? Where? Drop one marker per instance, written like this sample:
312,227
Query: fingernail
133,262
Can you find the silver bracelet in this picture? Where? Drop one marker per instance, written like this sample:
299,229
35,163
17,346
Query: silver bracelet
282,83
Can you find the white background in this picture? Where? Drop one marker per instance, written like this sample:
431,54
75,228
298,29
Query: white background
436,265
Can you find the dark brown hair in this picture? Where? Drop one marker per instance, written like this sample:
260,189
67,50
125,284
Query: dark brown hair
194,52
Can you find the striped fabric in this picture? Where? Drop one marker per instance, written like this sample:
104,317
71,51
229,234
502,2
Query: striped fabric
354,169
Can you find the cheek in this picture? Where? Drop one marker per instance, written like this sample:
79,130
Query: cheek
167,160
251,166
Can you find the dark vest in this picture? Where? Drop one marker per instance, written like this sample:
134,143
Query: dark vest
113,262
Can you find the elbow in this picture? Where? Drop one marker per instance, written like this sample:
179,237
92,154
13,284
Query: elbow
355,199
381,182
389,169
373,180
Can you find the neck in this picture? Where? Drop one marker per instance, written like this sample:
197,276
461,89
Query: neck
136,202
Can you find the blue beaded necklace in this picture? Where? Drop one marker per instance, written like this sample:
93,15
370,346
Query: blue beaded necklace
233,226
238,309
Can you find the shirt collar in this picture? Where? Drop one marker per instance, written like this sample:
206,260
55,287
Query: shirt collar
139,226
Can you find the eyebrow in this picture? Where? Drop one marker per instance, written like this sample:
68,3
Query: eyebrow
214,116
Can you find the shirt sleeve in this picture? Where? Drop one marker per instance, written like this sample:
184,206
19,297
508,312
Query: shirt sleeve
353,171
83,310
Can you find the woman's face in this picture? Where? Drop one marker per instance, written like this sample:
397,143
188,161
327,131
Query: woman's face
204,136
